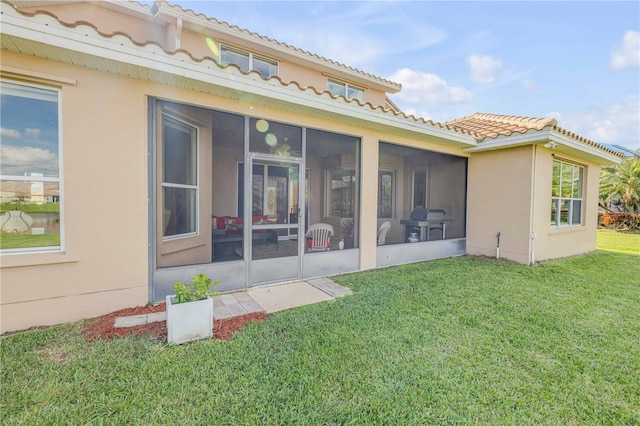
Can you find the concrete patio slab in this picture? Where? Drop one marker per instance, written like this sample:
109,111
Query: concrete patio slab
135,320
286,296
329,287
261,299
231,305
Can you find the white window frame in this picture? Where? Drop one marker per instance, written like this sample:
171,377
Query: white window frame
252,57
557,200
43,179
347,87
195,187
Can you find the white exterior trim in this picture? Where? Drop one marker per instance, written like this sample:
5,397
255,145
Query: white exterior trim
121,50
543,136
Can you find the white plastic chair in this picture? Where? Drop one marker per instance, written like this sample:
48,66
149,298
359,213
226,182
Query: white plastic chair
319,237
382,233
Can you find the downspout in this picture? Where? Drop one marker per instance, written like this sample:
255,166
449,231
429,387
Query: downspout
533,207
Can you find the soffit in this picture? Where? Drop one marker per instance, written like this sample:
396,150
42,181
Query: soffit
266,45
494,131
43,35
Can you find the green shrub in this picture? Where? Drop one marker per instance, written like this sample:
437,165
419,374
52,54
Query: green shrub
197,289
619,221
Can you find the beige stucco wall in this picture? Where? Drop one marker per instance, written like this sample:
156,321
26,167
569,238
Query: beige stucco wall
105,206
105,265
499,200
553,242
106,20
163,31
502,198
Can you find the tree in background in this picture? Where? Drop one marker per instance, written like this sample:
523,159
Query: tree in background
622,182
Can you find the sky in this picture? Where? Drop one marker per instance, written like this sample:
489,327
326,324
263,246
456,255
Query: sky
578,62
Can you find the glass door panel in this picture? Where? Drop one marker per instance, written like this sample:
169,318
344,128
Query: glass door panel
275,195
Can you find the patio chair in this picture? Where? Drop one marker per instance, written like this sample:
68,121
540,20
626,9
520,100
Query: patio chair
319,237
382,233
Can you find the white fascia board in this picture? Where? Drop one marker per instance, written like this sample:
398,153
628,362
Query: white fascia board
196,24
583,147
511,141
162,62
543,136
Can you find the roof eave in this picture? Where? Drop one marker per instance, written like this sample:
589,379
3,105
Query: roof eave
564,143
179,65
254,42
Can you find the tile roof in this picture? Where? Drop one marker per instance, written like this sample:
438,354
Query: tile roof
124,39
177,7
493,125
490,126
478,126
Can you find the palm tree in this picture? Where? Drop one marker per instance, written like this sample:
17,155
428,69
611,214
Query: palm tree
622,181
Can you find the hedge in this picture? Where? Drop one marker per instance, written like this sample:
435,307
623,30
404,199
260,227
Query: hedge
619,221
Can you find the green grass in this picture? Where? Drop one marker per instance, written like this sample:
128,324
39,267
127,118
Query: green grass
31,207
457,341
618,242
21,240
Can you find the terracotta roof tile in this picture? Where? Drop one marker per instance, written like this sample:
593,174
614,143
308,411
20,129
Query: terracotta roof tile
491,126
122,38
479,126
276,42
216,22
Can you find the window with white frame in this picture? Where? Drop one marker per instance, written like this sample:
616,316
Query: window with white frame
179,177
566,194
31,174
337,88
386,193
248,61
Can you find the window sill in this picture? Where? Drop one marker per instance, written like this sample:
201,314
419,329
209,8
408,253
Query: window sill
567,229
16,260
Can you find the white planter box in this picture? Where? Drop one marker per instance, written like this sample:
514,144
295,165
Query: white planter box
189,321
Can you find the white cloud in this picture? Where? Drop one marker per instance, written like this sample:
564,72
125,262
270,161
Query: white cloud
617,124
627,54
33,133
16,160
9,133
358,36
531,86
483,69
426,89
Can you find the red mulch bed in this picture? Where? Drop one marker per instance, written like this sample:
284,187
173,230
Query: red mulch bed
103,327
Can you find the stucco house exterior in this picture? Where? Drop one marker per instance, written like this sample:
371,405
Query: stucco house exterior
145,144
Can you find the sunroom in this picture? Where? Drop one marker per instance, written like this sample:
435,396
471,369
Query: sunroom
234,193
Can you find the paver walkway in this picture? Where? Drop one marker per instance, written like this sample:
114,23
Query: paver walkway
258,299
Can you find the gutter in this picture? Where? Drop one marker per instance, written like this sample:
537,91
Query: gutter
533,207
84,39
566,144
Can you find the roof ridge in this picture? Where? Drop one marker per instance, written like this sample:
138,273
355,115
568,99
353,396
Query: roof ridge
277,42
492,126
230,67
517,120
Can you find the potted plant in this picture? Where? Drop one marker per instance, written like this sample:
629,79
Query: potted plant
190,310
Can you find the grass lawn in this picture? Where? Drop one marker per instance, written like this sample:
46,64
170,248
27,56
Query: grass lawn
20,240
457,341
618,242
